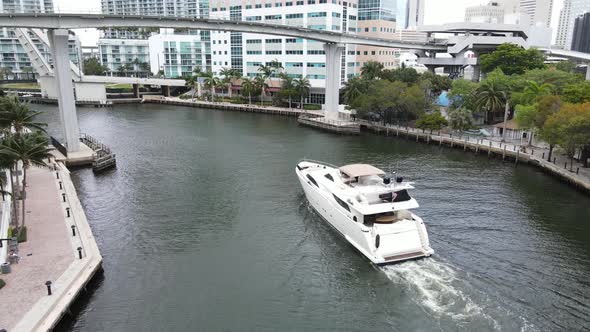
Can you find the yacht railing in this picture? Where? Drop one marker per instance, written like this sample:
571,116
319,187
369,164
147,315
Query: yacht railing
318,162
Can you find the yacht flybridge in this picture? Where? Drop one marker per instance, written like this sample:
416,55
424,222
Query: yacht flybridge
370,209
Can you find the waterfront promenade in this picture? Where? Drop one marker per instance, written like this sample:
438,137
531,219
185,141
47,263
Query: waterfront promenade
49,254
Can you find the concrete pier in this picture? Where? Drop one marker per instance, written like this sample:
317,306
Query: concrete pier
333,125
50,254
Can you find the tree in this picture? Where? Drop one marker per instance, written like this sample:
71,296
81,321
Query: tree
29,71
567,66
287,88
460,118
403,74
261,86
30,149
432,121
265,71
390,101
92,66
492,97
192,81
559,79
302,86
512,59
17,115
248,88
462,94
353,88
577,92
437,83
571,127
545,107
211,82
5,72
371,70
228,75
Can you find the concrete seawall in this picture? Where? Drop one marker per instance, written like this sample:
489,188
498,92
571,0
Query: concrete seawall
505,151
48,310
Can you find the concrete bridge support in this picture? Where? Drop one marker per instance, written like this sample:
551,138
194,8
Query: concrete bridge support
333,56
135,90
588,72
166,90
58,39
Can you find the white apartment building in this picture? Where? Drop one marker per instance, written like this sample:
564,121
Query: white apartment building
567,17
126,51
178,55
300,58
539,11
12,54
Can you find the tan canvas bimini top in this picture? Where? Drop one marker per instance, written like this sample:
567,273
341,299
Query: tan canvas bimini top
355,170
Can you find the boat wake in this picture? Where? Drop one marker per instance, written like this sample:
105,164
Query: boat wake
437,287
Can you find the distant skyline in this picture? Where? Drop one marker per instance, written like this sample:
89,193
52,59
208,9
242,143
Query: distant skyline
436,12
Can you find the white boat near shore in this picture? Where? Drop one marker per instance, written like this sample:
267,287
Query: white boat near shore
370,209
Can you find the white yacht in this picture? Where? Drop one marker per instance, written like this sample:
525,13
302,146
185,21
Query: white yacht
370,209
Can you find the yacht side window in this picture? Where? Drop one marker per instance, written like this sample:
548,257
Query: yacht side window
342,203
312,180
329,177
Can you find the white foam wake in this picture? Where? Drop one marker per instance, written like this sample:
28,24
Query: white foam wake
437,287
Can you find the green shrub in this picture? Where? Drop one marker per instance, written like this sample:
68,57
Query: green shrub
185,96
2,283
312,107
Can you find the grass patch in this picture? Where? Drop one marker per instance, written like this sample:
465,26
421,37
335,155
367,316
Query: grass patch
20,86
312,107
120,86
2,283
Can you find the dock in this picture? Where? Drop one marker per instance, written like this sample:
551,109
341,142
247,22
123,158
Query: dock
345,127
103,157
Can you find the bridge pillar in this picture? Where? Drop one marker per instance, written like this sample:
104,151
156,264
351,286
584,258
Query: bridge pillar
332,94
476,73
166,90
58,39
588,72
135,90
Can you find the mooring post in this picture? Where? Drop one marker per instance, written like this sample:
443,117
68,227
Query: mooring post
490,149
465,145
504,153
516,160
451,140
73,230
48,284
543,155
80,252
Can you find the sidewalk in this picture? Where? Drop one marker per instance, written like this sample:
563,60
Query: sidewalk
46,254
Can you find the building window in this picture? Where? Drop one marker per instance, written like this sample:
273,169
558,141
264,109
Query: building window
315,52
273,17
316,14
279,4
258,5
334,14
288,4
273,41
300,3
293,52
292,16
267,5
316,65
274,52
253,41
253,52
293,64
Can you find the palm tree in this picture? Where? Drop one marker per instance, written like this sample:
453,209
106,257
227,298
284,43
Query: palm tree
260,83
301,85
248,87
353,88
17,115
265,71
8,163
372,70
277,68
287,87
30,149
211,82
5,72
534,90
228,75
193,83
491,97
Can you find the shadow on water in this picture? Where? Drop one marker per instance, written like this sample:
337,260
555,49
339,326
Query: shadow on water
81,304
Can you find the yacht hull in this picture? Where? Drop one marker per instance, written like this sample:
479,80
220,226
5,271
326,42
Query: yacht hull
359,236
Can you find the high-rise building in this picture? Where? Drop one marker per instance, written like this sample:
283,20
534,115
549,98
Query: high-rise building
567,17
126,51
493,12
409,13
13,56
581,34
377,18
539,11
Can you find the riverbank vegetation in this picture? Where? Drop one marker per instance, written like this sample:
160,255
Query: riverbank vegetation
23,144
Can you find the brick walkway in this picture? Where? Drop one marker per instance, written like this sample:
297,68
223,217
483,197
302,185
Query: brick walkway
48,244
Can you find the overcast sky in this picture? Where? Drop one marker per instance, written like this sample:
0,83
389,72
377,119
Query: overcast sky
436,12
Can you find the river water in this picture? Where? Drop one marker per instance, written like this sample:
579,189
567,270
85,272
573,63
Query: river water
203,226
